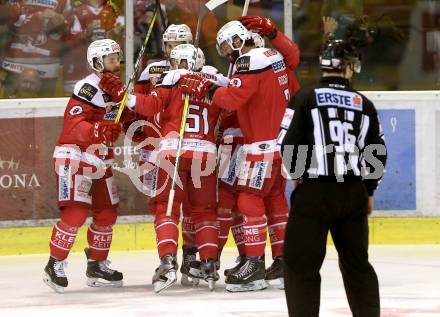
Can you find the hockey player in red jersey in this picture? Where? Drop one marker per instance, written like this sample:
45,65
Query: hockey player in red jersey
189,245
83,159
197,177
174,35
259,91
232,140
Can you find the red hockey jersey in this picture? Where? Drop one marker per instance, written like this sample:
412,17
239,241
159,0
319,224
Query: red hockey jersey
290,51
259,92
167,98
87,105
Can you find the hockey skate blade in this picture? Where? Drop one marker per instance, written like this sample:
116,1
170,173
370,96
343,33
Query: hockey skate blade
52,285
276,283
189,281
249,287
211,284
98,282
159,286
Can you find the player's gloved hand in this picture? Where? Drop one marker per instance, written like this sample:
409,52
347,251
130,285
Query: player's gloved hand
112,85
195,85
105,132
128,118
264,26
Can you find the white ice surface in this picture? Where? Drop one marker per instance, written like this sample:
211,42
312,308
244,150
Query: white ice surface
409,278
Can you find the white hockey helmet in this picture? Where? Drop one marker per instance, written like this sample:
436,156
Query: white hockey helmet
97,50
201,60
184,52
258,40
178,33
229,33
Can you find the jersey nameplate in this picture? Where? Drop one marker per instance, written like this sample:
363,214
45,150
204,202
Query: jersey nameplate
340,98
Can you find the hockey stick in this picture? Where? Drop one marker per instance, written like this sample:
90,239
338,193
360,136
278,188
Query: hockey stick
136,66
208,7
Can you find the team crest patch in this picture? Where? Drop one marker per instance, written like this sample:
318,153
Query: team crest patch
87,91
75,110
235,82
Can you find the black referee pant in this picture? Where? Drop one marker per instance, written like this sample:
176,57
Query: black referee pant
317,207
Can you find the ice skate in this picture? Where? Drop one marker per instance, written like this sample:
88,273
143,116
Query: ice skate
275,273
250,277
240,260
100,275
166,273
54,275
188,279
208,269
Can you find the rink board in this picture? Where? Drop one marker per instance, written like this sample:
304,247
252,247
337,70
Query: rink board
141,236
407,201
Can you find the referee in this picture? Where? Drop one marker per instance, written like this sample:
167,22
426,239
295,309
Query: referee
334,148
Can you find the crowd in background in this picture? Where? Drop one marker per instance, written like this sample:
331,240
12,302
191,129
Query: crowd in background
43,43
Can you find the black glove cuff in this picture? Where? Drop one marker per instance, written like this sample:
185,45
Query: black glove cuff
272,35
211,91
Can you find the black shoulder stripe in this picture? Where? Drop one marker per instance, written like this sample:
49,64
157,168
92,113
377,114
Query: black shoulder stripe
146,81
254,71
85,101
164,86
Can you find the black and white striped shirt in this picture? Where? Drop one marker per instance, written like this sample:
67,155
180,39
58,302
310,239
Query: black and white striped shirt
332,131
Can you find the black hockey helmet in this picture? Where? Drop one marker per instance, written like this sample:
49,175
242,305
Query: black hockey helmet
336,54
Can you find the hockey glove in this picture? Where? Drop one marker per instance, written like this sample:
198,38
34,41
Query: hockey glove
105,132
195,85
112,85
264,26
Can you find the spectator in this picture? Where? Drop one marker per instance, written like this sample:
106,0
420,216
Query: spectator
28,84
88,21
37,28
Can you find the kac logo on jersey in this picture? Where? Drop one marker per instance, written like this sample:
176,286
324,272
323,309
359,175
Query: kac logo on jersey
340,98
235,82
75,110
